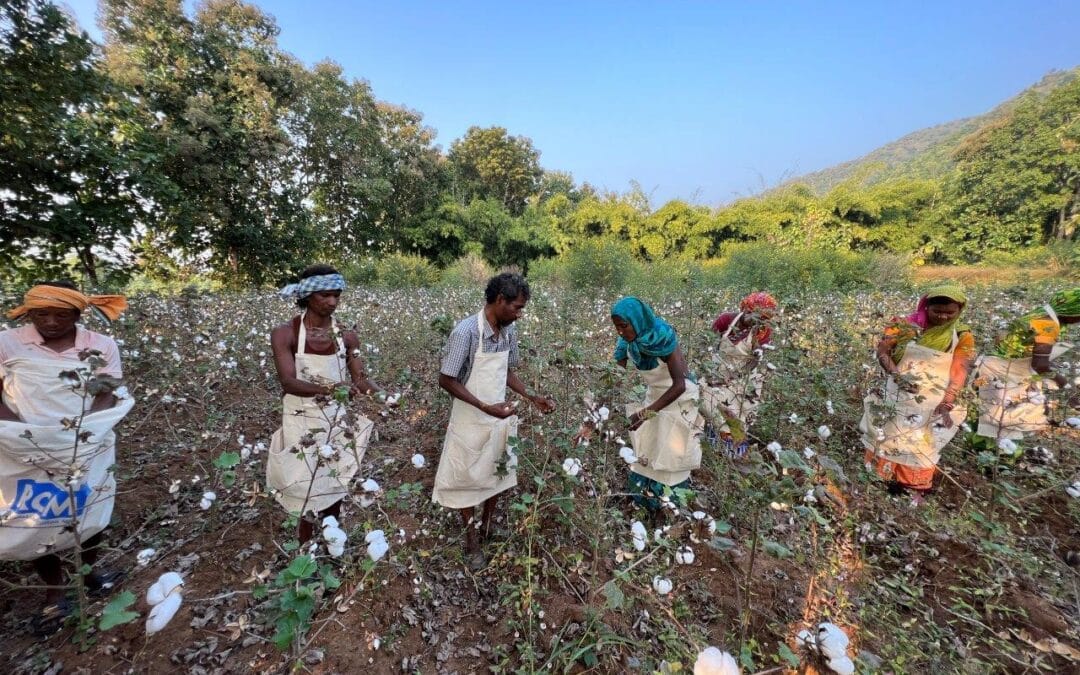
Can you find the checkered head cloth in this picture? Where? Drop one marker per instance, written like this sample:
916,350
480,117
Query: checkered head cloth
322,282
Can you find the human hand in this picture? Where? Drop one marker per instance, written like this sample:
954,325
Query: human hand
639,418
584,433
500,410
944,411
543,403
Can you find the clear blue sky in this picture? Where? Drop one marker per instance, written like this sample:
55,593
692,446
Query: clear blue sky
704,101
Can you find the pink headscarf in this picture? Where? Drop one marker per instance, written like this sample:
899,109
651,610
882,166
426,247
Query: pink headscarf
920,317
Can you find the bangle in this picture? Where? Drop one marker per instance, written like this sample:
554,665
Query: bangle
948,404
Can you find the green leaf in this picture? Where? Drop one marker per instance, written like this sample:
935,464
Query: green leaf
778,550
615,597
791,657
722,527
721,543
116,613
789,459
329,580
227,460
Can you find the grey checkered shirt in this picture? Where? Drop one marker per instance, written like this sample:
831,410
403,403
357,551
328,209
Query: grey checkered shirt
461,345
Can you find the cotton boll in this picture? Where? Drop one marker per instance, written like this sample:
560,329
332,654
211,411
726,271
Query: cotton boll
775,449
144,556
335,540
829,407
418,461
377,549
661,586
1073,422
700,515
1007,446
809,497
207,500
639,534
603,413
330,521
375,535
842,666
712,526
327,451
163,587
571,466
806,639
162,613
809,453
832,640
824,432
685,556
369,485
1074,490
712,661
627,454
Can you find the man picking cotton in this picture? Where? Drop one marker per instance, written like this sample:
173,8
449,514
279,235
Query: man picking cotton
478,365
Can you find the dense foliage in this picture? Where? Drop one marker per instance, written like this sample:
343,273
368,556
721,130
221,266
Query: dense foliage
192,144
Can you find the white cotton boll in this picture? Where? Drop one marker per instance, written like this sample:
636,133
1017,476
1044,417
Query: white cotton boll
775,449
162,613
832,640
1074,490
627,454
1073,422
375,535
712,661
330,521
824,432
377,549
809,497
806,639
620,441
418,461
700,515
842,666
326,451
793,418
392,399
637,530
208,498
685,556
571,466
603,413
1007,446
369,485
829,407
779,506
712,526
661,586
335,537
144,556
808,453
163,587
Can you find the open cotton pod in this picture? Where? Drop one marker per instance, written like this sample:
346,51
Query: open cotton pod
163,588
842,666
163,612
712,661
832,641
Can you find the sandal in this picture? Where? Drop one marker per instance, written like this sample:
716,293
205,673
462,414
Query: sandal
51,618
101,585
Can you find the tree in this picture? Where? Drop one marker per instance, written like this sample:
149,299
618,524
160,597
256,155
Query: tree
491,164
68,171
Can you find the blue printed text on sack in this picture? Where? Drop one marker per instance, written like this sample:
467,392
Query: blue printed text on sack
47,500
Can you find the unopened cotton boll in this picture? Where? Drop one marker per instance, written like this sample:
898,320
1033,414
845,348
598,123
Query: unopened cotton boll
637,530
712,661
824,432
207,500
370,485
832,640
571,466
842,666
162,613
661,585
685,556
418,461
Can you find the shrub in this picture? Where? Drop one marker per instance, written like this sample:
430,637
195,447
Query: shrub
600,264
401,270
468,270
360,271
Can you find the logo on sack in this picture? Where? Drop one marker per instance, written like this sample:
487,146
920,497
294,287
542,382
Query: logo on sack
47,500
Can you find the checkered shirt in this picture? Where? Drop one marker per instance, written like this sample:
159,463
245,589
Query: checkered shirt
461,345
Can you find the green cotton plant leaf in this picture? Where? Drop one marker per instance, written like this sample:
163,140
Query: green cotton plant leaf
791,657
299,569
116,613
830,465
777,549
614,596
227,460
789,459
721,544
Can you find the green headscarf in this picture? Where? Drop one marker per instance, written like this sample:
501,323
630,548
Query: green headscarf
654,337
1066,303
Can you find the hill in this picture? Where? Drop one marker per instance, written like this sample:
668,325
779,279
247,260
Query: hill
926,153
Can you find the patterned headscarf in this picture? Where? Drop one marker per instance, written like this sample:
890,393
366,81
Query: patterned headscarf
654,337
757,301
58,297
320,282
1066,303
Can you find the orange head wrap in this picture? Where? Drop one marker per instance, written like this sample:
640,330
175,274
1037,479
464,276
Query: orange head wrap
757,301
42,297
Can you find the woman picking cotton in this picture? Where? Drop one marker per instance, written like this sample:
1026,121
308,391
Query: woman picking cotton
927,357
733,393
1012,401
320,444
665,429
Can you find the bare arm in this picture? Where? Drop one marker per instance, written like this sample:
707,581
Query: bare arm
6,413
456,389
281,341
884,355
360,382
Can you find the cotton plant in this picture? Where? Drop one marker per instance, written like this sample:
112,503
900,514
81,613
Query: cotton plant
571,466
661,585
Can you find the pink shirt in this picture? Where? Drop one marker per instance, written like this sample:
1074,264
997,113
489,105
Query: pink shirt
26,342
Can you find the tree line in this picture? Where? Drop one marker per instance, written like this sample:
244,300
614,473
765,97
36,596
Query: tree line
193,143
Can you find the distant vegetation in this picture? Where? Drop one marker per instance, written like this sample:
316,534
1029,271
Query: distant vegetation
193,148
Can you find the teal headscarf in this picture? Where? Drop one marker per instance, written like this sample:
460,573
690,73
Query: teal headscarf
655,337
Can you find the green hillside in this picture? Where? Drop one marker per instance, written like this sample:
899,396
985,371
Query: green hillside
926,153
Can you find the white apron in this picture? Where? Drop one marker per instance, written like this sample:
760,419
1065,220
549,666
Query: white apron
1012,400
35,504
476,442
668,444
311,483
910,435
739,395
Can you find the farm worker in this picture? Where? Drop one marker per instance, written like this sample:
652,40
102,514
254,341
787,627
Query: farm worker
733,394
927,357
1010,381
478,462
665,429
321,442
57,444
